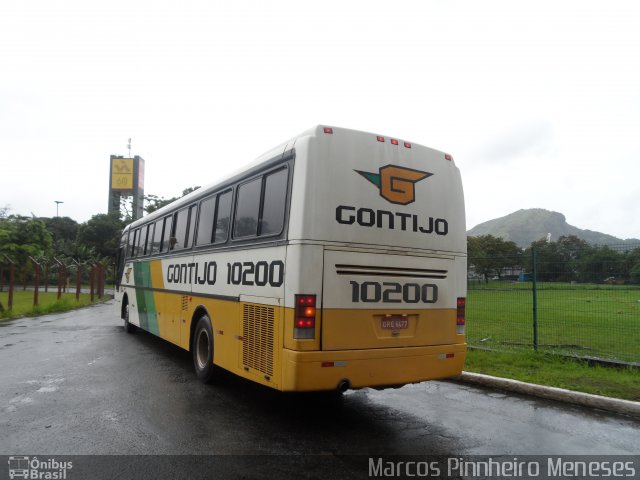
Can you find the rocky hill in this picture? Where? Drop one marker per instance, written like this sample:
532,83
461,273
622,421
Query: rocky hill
529,225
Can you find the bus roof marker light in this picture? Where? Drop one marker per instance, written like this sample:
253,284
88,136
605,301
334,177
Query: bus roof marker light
380,138
448,157
328,130
394,141
407,145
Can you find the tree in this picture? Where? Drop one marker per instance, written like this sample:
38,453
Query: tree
603,263
572,251
632,264
102,234
490,255
22,237
550,264
153,202
64,231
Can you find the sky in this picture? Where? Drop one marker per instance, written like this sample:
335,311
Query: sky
537,101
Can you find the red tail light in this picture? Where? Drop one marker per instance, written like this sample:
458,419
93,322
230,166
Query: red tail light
305,317
461,306
460,314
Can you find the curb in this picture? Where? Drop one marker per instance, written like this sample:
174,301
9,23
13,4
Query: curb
625,407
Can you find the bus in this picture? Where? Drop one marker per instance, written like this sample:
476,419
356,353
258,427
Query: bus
335,261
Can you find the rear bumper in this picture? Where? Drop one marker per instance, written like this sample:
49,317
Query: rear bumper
311,371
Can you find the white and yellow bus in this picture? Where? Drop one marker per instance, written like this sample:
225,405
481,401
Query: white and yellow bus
336,260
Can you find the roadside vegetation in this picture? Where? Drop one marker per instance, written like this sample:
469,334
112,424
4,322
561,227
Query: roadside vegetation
47,303
556,371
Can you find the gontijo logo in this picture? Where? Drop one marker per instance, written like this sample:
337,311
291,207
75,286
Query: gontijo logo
396,184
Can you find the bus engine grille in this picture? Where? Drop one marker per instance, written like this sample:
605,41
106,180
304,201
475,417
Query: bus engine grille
258,333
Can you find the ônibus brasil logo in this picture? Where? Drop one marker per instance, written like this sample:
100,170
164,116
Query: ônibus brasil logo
396,184
21,466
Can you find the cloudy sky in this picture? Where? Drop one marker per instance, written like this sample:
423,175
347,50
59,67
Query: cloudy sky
538,101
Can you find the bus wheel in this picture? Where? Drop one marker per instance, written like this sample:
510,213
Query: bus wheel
202,350
128,327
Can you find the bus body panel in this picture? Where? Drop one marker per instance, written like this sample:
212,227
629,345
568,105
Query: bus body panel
309,371
344,192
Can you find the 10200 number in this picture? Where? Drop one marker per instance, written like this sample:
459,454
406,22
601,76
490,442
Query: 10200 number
260,274
391,292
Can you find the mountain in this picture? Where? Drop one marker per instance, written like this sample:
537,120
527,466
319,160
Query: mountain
528,225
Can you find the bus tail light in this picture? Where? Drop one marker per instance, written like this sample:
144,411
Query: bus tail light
461,304
304,323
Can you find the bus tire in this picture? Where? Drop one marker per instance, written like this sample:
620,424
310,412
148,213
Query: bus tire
128,327
202,350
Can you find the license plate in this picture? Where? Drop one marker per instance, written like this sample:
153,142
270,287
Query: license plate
395,322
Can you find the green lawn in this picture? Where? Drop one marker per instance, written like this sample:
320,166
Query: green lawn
47,303
589,321
554,371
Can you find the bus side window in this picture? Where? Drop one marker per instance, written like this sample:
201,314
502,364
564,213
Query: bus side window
129,246
142,240
193,209
205,221
166,233
247,209
273,205
223,214
149,242
134,243
179,237
157,237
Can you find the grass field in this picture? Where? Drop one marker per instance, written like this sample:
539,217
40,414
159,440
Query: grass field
47,303
587,321
555,371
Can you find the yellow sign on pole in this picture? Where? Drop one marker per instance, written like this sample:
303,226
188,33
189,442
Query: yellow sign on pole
122,173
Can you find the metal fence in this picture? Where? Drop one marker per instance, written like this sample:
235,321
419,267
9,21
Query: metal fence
43,276
586,307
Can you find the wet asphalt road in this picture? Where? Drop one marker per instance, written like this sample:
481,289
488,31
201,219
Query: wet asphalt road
76,384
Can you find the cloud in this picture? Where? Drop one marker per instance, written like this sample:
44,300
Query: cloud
532,139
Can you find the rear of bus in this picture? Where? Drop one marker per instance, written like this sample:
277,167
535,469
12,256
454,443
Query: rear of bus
376,263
